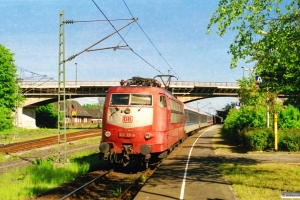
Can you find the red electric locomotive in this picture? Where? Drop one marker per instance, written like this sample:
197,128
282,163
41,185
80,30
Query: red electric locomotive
140,123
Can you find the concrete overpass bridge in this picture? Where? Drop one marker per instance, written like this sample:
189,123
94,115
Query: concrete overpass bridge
39,94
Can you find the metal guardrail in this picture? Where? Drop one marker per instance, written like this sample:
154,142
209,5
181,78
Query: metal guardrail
54,84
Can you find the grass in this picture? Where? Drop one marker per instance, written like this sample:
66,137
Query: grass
30,181
85,142
8,136
2,157
257,181
262,181
143,178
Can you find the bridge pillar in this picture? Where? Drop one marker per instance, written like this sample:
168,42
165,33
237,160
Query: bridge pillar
26,118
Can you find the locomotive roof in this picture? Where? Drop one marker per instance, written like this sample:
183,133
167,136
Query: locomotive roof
137,88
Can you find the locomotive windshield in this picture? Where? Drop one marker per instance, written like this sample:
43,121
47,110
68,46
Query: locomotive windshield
131,99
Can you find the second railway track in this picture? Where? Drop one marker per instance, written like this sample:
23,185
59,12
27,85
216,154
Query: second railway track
48,141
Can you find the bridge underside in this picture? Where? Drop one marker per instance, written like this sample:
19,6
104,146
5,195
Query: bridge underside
189,94
188,99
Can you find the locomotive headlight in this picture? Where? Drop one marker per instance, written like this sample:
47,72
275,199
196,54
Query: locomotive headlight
104,147
127,111
107,133
147,136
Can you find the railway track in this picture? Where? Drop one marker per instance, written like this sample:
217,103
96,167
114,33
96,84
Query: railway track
48,141
101,185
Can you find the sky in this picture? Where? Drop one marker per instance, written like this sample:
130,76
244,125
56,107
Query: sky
170,37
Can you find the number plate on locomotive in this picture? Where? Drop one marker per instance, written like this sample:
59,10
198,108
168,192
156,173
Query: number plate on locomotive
126,135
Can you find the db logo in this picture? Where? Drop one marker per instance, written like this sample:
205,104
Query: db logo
127,119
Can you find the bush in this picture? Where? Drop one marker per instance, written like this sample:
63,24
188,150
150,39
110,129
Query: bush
238,120
257,139
289,140
46,116
246,127
289,118
231,129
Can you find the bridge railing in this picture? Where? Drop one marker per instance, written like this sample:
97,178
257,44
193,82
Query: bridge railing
68,83
54,84
206,84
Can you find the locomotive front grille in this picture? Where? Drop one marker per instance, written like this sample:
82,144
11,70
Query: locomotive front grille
127,148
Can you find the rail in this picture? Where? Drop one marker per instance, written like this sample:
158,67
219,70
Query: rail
85,185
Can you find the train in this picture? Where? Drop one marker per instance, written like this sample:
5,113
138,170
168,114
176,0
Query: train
143,122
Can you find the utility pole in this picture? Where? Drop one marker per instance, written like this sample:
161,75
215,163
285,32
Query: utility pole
76,74
62,137
17,134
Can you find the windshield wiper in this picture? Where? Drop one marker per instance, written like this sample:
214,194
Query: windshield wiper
142,106
116,107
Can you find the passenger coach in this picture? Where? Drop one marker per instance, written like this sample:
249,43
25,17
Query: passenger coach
195,120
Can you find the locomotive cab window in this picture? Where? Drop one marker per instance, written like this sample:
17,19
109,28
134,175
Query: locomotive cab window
162,102
119,99
131,99
141,99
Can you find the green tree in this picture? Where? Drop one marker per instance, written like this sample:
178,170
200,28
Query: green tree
228,107
268,33
9,89
90,105
6,119
46,116
249,93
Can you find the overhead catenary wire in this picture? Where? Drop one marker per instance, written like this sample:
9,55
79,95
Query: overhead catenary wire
87,49
125,41
114,48
126,33
151,41
32,75
33,86
39,79
97,20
